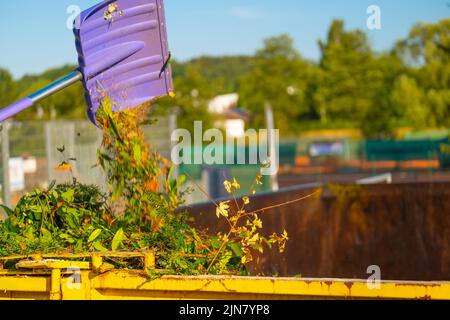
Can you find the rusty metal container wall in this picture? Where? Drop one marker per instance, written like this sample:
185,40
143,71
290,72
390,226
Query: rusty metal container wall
404,229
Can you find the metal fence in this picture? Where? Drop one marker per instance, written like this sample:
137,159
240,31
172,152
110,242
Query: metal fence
30,155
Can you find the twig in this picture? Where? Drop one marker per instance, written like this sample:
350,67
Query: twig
283,204
219,251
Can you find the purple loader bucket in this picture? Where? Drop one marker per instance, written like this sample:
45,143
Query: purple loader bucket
123,56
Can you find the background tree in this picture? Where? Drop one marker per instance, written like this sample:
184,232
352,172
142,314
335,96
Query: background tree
408,97
8,88
384,114
350,76
279,77
193,92
426,51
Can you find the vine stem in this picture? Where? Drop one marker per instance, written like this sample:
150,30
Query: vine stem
282,204
219,251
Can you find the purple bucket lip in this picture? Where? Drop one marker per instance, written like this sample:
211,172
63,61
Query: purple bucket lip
123,57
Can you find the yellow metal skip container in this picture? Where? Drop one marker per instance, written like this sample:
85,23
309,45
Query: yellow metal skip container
58,279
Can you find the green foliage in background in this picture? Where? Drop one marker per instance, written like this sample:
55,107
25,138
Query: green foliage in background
426,54
350,75
281,78
8,90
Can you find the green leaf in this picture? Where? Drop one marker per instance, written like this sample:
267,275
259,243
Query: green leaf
29,233
46,235
99,247
269,245
216,243
118,240
114,128
79,246
94,235
137,152
67,238
181,180
135,236
68,196
8,211
169,173
36,208
236,249
195,235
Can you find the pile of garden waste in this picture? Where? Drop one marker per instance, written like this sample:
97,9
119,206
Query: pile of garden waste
139,212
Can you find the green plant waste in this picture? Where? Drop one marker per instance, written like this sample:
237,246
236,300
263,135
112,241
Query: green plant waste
137,213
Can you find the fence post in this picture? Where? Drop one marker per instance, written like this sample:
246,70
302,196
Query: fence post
5,161
173,125
48,154
272,147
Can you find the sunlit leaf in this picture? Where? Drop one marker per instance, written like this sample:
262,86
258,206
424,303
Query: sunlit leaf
118,240
94,235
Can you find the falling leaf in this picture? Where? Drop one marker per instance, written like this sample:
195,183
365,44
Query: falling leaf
152,185
64,167
115,130
137,152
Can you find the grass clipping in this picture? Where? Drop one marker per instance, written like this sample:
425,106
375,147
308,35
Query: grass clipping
138,213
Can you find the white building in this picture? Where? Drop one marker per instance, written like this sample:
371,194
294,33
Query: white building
228,115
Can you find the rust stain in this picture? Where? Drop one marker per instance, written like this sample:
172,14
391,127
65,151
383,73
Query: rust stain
329,283
349,285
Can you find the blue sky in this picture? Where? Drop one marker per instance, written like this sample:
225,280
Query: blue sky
34,35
